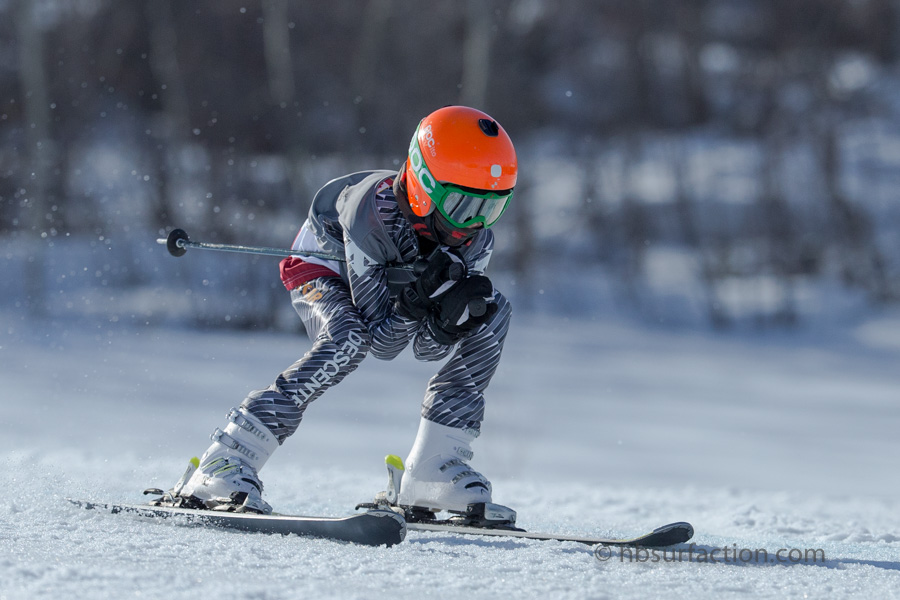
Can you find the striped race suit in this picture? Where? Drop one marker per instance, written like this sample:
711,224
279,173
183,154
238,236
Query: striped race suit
348,308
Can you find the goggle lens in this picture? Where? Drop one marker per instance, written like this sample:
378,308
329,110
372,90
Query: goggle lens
464,209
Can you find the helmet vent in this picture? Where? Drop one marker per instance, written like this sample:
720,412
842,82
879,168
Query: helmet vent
489,127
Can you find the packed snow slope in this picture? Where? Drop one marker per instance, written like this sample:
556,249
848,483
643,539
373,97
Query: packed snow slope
770,441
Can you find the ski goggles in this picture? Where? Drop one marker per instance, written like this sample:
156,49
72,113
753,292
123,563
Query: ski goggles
461,206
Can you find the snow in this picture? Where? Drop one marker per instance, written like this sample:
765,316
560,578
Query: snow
597,427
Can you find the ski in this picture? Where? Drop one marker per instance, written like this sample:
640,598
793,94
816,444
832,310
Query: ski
500,521
372,528
487,519
667,535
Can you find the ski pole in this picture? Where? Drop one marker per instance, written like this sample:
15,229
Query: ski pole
177,243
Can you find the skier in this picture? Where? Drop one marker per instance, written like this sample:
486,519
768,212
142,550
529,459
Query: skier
434,215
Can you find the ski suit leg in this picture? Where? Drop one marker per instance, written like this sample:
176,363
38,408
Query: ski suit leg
455,396
340,343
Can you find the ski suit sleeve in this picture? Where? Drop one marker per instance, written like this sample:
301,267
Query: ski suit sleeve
389,333
478,255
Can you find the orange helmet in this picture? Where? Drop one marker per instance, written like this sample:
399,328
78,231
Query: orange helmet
462,163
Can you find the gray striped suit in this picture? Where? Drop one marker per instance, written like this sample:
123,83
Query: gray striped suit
351,314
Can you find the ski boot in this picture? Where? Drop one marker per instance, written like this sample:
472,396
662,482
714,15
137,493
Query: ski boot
437,477
225,478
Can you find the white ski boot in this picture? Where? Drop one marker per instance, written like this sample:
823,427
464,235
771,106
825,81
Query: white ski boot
437,476
227,475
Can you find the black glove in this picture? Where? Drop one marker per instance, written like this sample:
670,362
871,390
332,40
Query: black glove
466,307
436,277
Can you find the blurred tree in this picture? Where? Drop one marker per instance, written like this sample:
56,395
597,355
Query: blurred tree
476,53
37,219
173,123
276,38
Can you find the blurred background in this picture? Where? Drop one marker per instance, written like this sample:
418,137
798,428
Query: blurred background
695,163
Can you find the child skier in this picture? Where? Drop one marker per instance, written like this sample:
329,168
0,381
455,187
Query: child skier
415,245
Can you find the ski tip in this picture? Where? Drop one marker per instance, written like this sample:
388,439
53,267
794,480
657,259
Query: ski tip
195,462
674,533
682,525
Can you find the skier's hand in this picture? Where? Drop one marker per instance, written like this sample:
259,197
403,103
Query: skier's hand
465,308
438,273
436,277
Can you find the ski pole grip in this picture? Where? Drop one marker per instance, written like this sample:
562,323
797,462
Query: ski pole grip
455,272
